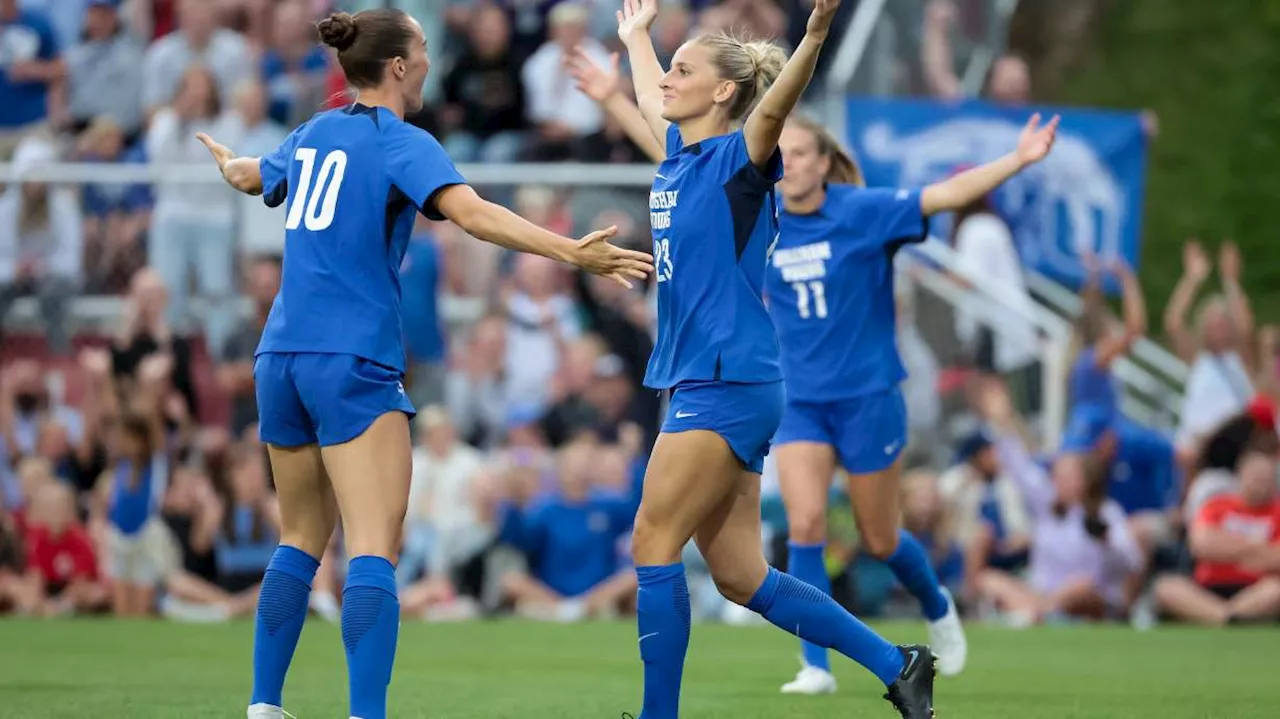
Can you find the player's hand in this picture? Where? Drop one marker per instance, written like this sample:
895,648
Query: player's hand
1195,263
824,11
636,17
594,81
221,153
595,255
1036,141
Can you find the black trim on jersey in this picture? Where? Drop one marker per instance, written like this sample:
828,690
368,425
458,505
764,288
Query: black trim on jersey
745,196
397,201
428,207
278,194
716,378
892,246
356,108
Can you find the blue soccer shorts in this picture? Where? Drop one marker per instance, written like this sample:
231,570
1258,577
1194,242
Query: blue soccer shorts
868,433
745,415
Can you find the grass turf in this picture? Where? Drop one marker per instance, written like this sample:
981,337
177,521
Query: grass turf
495,670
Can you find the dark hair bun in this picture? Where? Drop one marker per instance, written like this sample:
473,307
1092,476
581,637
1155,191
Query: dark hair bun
338,30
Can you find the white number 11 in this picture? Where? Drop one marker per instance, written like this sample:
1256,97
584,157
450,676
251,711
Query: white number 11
819,295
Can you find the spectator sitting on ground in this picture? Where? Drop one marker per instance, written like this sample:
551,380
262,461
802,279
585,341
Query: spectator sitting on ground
1083,554
62,568
925,516
570,540
1221,452
250,527
1235,541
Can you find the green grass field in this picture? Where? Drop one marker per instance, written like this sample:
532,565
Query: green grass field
495,670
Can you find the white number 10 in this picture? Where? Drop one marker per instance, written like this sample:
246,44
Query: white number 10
320,202
819,294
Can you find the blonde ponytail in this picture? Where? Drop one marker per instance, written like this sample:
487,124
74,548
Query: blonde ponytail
751,66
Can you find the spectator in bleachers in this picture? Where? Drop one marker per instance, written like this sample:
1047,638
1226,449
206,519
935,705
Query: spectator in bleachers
671,28
1091,381
295,68
250,527
194,232
1235,541
540,318
145,331
925,516
27,407
989,513
1083,554
475,387
235,375
41,244
559,111
422,274
570,415
1219,385
62,574
30,67
117,215
443,530
102,71
12,555
1008,79
570,539
746,18
1221,452
197,41
484,111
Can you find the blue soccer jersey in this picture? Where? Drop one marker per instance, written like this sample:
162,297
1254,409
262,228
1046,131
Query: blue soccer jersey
354,178
830,292
714,219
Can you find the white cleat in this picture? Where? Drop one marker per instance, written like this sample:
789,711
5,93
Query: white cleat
268,711
811,681
946,639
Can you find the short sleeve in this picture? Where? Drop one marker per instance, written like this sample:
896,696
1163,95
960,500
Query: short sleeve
419,167
761,179
274,167
897,218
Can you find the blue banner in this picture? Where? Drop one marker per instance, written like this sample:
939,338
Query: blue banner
1087,195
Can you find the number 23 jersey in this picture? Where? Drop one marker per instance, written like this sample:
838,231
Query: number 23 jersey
354,179
713,214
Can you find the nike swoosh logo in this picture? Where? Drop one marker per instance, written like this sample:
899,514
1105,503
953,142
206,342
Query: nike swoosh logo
891,448
646,636
685,415
915,655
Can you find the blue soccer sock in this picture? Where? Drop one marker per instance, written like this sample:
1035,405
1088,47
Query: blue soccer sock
662,620
805,562
806,612
911,565
282,609
370,626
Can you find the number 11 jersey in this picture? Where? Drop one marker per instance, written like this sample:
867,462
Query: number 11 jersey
354,178
714,219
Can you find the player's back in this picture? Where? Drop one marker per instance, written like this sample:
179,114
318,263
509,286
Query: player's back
714,216
354,179
830,289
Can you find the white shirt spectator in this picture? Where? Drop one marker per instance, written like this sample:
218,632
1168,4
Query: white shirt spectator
534,334
550,91
964,491
984,249
227,56
53,238
1218,388
169,140
440,496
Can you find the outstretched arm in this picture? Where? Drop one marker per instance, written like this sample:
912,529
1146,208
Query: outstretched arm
764,125
242,173
634,20
1195,269
1135,318
952,194
602,85
494,223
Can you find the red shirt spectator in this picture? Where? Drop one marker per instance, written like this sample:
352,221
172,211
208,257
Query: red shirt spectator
63,558
1229,513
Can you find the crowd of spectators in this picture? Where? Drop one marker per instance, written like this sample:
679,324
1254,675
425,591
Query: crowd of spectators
131,477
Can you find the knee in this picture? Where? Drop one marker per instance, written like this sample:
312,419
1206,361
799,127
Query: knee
737,585
653,542
880,543
807,525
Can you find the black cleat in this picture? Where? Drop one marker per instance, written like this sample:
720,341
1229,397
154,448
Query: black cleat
912,693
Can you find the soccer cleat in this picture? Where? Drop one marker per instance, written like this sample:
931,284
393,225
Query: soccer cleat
912,692
946,636
268,711
811,681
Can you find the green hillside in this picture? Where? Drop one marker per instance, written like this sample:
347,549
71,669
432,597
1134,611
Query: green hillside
1211,71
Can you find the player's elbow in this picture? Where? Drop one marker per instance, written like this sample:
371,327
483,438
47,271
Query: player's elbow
464,208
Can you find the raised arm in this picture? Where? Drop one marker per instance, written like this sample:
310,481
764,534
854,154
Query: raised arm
764,124
242,173
1195,269
603,86
1229,267
494,223
634,20
1135,317
952,194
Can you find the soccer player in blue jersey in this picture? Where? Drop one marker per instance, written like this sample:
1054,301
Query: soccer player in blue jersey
713,213
830,290
328,373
